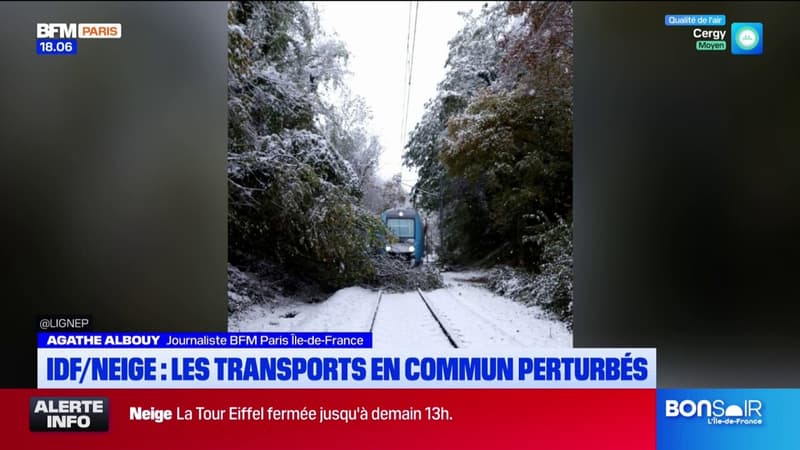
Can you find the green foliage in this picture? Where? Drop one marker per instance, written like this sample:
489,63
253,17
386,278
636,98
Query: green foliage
471,66
422,151
518,149
552,287
538,54
494,147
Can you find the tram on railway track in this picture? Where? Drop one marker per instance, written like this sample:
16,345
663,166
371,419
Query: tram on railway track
407,225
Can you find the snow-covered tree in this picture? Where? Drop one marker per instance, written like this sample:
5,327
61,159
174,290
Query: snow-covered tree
344,120
494,147
293,196
472,66
514,139
537,49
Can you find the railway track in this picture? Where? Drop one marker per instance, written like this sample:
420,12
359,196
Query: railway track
437,319
375,312
409,320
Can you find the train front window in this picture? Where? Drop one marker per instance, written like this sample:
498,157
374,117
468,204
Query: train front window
402,228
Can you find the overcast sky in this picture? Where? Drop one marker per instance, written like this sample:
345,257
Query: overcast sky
376,33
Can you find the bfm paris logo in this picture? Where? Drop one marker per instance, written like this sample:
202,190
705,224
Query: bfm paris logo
79,30
717,412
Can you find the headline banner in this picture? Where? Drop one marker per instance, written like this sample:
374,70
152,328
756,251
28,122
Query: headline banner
337,368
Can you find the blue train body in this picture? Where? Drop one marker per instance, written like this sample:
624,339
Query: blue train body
407,226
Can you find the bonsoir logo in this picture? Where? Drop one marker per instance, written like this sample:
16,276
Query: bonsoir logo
717,412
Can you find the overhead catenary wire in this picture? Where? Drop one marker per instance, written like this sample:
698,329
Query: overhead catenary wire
413,46
404,87
409,68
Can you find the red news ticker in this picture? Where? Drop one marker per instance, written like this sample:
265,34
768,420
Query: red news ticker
597,419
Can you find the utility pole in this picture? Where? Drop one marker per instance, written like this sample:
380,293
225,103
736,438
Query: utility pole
441,215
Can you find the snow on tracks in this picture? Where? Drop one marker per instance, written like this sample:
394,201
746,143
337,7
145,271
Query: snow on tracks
404,322
349,309
473,316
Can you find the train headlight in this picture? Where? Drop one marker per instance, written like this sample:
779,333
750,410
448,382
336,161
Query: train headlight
411,249
388,248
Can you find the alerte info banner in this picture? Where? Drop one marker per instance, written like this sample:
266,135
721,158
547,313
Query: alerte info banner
641,419
618,419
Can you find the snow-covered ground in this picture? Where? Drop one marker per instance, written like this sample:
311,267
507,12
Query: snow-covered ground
474,316
481,318
349,309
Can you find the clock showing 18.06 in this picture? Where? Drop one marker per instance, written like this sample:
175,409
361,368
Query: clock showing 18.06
56,46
